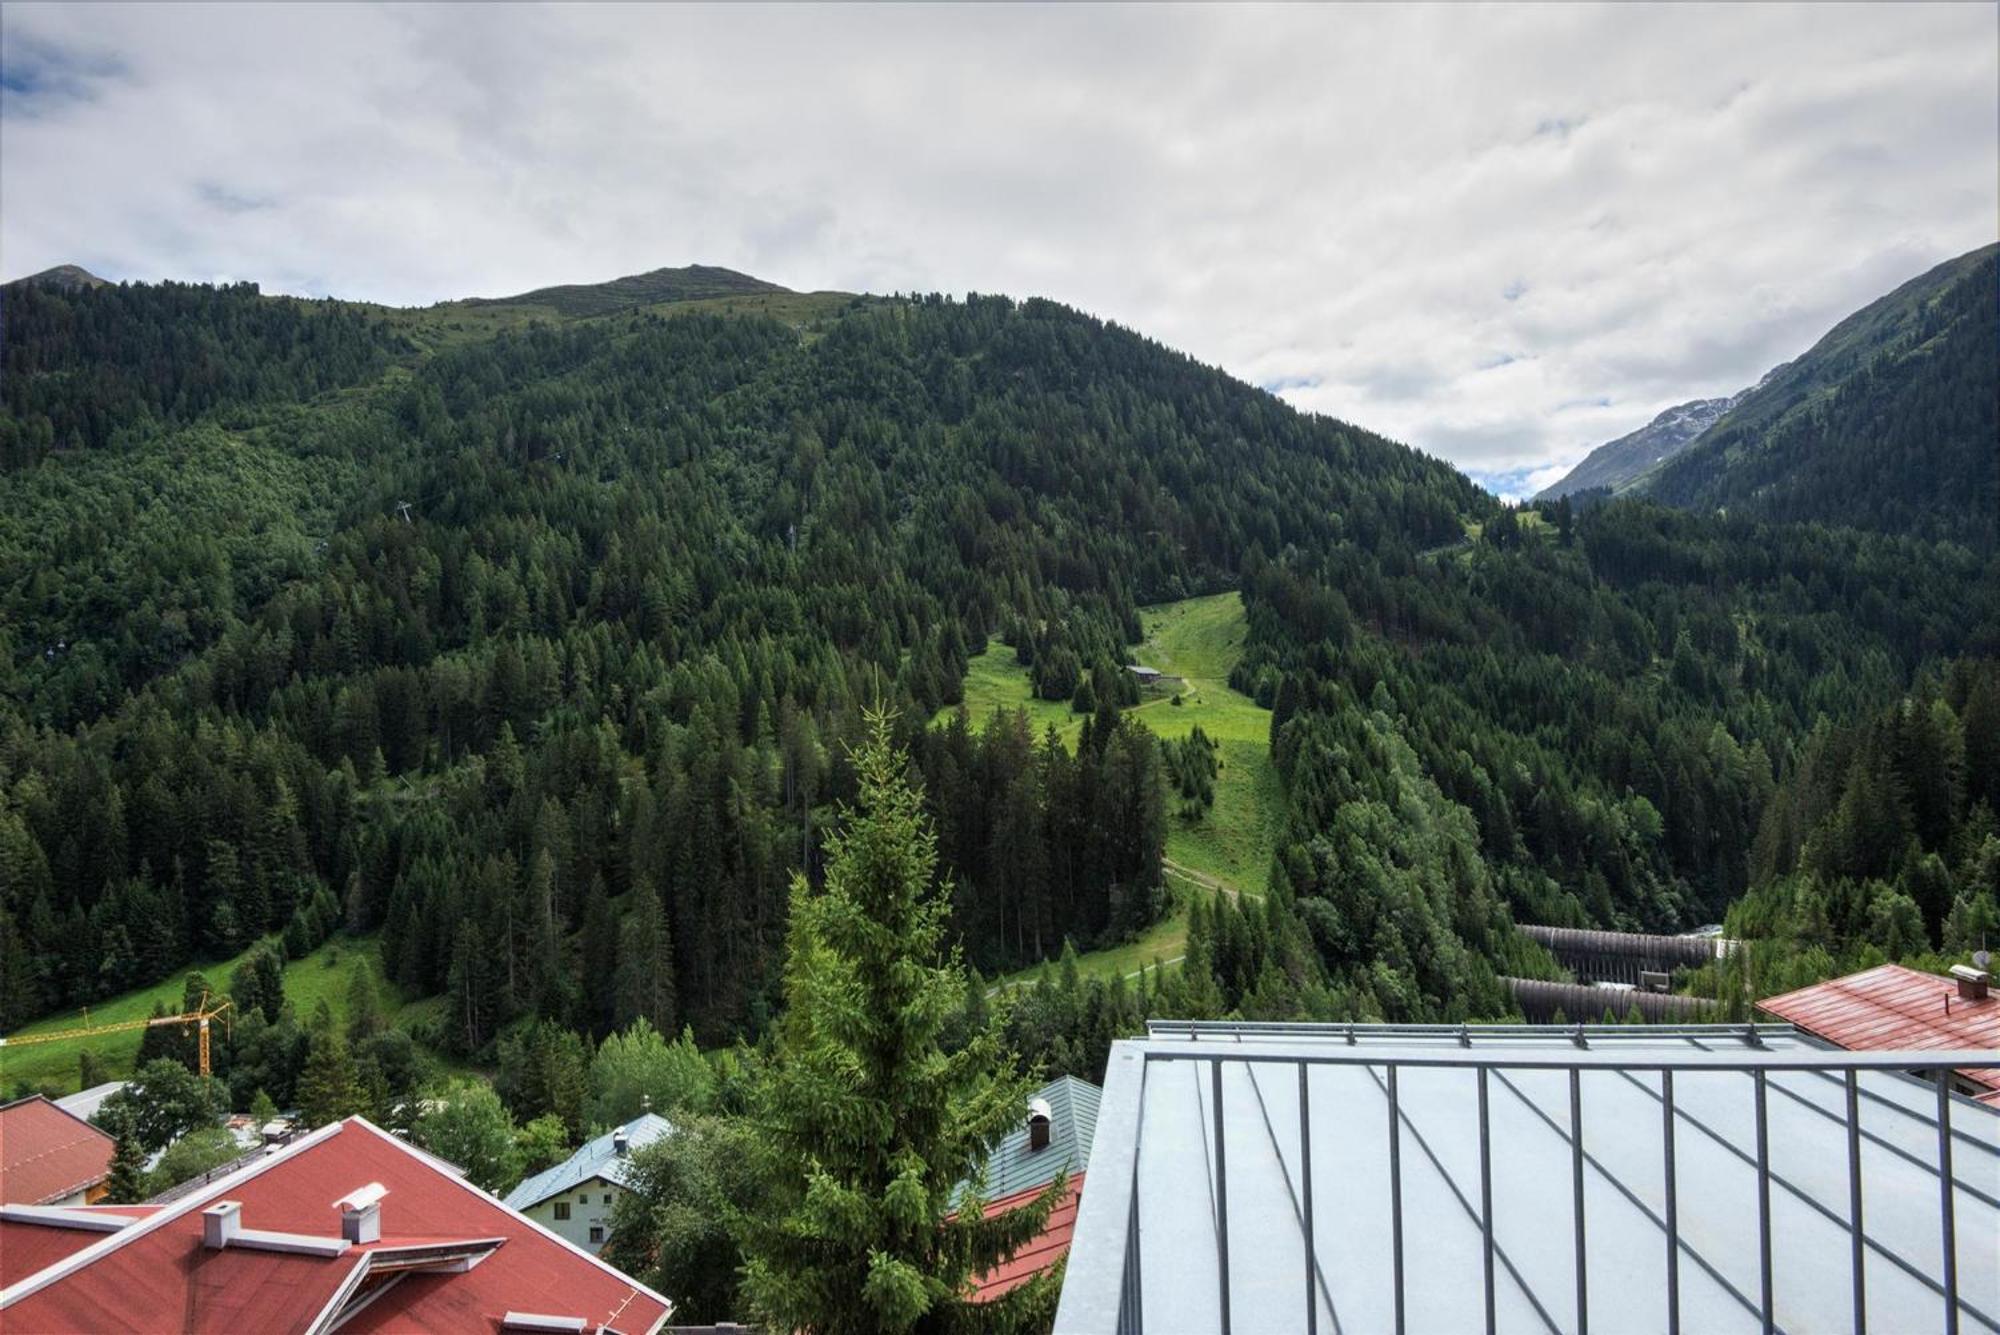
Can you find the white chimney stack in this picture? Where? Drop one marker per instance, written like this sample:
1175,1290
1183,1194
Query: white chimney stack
220,1224
361,1213
363,1224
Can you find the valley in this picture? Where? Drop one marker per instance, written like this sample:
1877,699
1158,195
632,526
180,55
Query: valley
1198,641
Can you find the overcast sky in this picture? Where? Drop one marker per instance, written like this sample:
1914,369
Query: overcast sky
1503,235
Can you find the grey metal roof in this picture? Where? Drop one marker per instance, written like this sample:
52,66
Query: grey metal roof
1014,1167
598,1158
85,1102
1167,1194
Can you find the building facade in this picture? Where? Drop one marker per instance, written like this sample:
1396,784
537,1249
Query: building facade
574,1199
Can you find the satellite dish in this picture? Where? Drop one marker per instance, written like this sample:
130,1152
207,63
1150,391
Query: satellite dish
1982,958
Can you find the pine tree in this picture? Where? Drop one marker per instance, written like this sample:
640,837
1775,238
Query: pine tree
364,1009
646,962
127,1184
328,1087
259,982
864,1124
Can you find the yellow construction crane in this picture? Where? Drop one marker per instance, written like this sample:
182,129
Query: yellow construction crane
199,1016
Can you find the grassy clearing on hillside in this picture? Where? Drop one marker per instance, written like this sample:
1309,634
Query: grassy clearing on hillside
324,974
1198,640
993,680
432,328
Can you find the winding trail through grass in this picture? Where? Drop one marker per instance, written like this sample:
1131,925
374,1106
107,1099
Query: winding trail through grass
1229,850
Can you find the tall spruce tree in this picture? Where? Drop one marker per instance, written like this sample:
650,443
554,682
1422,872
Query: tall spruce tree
127,1183
329,1088
865,1124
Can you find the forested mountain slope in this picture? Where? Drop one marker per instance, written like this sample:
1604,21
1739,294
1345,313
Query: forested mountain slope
1890,422
537,644
588,694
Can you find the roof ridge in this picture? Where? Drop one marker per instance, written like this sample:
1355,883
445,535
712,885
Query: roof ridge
44,1099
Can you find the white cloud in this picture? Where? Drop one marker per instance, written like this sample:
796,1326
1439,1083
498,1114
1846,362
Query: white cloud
1503,234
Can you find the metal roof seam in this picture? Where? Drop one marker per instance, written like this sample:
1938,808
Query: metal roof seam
1711,1270
1298,1210
1874,1138
1207,1160
1901,1109
1451,1185
1808,1199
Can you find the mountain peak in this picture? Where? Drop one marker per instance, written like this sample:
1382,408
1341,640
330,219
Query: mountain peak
1616,463
691,282
68,277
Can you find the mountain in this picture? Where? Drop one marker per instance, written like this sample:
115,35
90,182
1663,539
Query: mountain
1888,422
67,277
693,282
528,645
1615,464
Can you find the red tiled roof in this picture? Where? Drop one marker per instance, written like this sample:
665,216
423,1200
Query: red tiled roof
157,1274
47,1154
1891,1007
1043,1251
25,1249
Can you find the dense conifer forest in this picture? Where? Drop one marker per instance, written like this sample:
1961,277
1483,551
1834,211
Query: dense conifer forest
1888,422
537,650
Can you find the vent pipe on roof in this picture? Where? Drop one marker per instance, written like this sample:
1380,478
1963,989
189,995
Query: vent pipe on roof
220,1223
1971,982
1038,1124
363,1223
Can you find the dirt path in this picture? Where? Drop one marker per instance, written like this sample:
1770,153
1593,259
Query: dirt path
1203,879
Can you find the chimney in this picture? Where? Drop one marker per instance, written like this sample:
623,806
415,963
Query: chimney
621,1145
1038,1124
1971,982
361,1213
363,1224
220,1224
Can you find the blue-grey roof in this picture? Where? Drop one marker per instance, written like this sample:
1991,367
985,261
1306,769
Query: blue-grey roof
598,1158
1014,1167
85,1103
1171,1186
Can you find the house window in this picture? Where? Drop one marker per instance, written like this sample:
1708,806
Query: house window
597,1233
562,1209
607,1198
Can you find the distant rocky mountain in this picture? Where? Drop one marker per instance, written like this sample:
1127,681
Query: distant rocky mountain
1616,464
68,277
693,282
1888,422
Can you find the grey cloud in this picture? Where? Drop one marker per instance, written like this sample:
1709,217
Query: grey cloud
1444,223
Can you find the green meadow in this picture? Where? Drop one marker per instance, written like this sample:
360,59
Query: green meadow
1199,641
322,975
